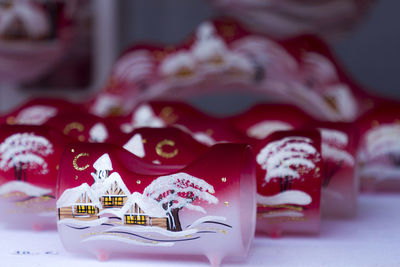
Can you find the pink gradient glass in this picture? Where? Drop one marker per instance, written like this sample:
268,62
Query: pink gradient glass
111,201
378,155
339,182
29,157
275,218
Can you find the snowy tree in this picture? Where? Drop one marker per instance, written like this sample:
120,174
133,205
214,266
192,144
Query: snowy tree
334,153
287,159
379,153
177,191
25,151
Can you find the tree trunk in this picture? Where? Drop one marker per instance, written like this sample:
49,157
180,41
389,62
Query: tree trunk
329,170
15,172
174,218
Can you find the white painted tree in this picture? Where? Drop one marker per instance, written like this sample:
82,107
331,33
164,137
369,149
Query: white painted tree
177,191
287,159
334,153
381,145
25,151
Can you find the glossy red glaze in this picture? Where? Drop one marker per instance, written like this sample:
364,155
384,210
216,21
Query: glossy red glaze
29,157
378,150
38,110
288,203
220,182
304,72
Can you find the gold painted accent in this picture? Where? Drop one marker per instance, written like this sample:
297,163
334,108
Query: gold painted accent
73,125
287,219
167,114
162,153
226,203
223,179
81,138
209,132
76,177
138,182
289,207
144,141
75,164
57,167
73,150
375,123
11,120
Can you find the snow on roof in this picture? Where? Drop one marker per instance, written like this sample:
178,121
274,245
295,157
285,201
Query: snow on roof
71,196
149,206
135,145
264,128
103,163
100,188
175,62
98,133
145,117
336,137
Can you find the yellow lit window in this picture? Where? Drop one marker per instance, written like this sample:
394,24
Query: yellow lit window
118,201
91,210
81,209
135,219
108,201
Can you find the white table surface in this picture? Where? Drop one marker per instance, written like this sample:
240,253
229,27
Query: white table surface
370,239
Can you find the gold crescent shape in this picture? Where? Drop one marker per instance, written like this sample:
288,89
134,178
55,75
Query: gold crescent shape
73,125
75,164
162,153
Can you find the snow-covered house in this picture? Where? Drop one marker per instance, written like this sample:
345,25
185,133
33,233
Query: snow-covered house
78,203
112,192
139,210
103,168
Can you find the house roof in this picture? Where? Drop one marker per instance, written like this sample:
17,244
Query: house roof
71,196
103,163
100,188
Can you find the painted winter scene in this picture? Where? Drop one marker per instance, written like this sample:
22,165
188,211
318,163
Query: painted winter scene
108,211
24,169
287,163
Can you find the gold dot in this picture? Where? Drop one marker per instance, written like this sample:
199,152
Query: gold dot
138,182
76,177
11,120
209,132
73,150
226,203
375,123
223,179
81,138
144,141
57,167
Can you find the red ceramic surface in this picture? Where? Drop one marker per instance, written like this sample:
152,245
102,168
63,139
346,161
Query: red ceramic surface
379,149
107,195
224,56
289,176
270,119
29,157
38,111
